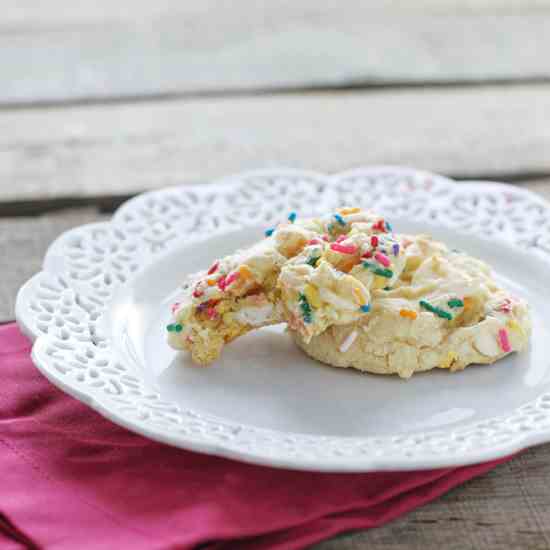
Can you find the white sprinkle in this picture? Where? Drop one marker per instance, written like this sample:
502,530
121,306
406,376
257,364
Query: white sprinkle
346,344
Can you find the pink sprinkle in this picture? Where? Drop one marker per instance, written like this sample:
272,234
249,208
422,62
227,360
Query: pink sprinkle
175,306
325,238
197,293
213,268
343,249
211,312
232,277
503,341
374,241
506,306
314,241
367,254
222,282
341,238
383,259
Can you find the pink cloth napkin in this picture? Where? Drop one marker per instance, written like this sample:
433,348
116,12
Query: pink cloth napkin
71,479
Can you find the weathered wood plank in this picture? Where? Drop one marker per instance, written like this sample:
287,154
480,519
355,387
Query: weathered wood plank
493,131
507,508
23,243
89,52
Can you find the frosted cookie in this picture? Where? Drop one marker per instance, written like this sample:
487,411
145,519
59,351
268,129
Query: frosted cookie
444,311
312,273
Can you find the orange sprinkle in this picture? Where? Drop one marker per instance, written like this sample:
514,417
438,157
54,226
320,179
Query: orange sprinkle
468,302
210,282
409,313
346,211
245,272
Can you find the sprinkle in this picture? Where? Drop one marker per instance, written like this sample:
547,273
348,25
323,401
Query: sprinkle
514,325
359,295
312,295
395,248
325,238
175,306
455,302
292,217
314,241
386,288
306,308
408,313
197,293
174,327
347,343
468,302
245,273
506,306
343,249
178,327
232,277
341,238
388,273
367,254
503,341
211,282
213,268
437,310
388,227
374,241
365,308
379,226
339,219
383,259
211,312
269,232
346,211
222,282
313,260
170,327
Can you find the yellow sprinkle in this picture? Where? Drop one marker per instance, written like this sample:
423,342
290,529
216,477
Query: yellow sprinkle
345,211
312,295
514,325
211,282
409,313
245,272
468,302
359,295
449,360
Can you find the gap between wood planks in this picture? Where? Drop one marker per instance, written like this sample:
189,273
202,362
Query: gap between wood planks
539,183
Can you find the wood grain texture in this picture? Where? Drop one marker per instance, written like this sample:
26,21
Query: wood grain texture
492,132
508,508
85,51
23,243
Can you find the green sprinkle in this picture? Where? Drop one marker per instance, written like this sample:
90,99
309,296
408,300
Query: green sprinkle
339,219
386,288
306,308
178,327
170,327
455,302
292,217
388,273
437,310
312,261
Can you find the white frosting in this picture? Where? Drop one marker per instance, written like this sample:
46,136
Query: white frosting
254,315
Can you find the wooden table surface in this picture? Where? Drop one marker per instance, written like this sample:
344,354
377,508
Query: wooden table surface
102,100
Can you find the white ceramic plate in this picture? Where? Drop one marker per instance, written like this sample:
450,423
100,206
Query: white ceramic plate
98,311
